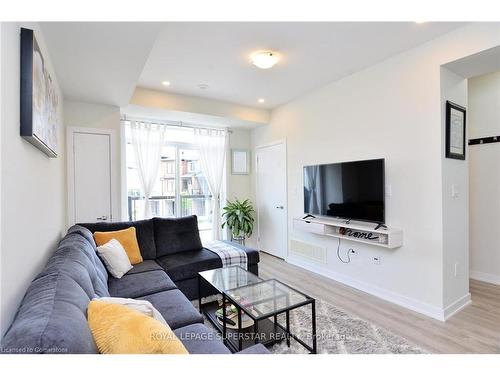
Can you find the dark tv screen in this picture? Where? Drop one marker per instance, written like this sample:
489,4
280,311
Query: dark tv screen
350,190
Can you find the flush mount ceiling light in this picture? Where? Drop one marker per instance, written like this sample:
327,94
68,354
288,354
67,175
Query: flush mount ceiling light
264,59
261,100
203,86
165,83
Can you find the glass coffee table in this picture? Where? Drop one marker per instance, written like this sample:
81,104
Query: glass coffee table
257,304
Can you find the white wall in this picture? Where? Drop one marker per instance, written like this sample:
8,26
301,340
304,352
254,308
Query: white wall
456,207
100,116
33,188
91,115
484,121
390,110
239,186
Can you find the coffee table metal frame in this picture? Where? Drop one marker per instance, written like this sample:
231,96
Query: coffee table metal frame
256,319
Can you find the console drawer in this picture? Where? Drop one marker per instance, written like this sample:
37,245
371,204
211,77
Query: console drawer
310,227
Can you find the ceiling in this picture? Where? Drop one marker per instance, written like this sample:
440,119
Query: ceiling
104,62
484,62
313,54
99,62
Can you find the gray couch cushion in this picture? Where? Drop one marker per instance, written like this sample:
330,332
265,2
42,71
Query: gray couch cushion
53,313
91,251
76,258
187,264
144,230
176,235
175,308
147,265
52,318
140,284
198,339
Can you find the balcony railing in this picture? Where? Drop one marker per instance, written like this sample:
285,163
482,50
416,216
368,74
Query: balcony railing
165,206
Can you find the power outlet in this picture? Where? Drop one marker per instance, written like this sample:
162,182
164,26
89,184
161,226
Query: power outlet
376,260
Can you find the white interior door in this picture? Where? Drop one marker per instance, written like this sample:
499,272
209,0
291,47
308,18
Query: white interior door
90,183
271,199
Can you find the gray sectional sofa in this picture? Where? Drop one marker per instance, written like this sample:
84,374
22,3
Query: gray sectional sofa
174,245
52,317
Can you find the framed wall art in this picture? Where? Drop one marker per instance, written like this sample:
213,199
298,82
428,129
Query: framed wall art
39,97
240,162
455,131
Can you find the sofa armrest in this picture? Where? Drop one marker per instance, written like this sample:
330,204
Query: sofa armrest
255,349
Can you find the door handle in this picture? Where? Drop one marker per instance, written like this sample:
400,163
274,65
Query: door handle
102,218
280,207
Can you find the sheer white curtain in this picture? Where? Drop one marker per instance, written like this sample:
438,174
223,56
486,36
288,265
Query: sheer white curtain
147,141
313,192
212,145
316,198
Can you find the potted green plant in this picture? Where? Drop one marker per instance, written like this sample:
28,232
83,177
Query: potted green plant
238,216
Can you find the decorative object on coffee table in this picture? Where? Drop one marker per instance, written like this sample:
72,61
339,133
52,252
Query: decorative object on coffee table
232,317
238,216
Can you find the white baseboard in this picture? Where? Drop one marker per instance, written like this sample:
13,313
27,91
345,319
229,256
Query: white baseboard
486,277
434,312
456,306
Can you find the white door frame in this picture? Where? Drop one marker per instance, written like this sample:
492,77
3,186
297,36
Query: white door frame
70,133
274,143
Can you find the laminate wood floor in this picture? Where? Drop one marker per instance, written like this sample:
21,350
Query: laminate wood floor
475,329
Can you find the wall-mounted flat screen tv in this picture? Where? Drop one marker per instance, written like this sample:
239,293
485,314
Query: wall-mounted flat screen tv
351,190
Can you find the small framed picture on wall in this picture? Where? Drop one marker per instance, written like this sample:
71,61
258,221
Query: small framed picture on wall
240,162
455,131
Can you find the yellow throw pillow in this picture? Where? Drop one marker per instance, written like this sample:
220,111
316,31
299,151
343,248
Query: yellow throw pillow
127,238
118,329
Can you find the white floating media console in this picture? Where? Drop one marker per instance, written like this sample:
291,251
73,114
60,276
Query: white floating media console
389,238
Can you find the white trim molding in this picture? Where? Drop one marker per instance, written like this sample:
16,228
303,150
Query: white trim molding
485,277
434,312
456,306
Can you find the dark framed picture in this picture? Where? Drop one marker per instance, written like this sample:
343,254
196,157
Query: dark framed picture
455,131
39,97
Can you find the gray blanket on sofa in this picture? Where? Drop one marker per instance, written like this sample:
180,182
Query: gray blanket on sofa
229,255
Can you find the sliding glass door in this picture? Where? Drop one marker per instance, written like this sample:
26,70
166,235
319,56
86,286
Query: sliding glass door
194,194
181,188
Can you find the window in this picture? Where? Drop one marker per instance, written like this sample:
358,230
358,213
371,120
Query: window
181,188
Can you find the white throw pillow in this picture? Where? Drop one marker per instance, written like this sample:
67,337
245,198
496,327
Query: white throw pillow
115,258
139,305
